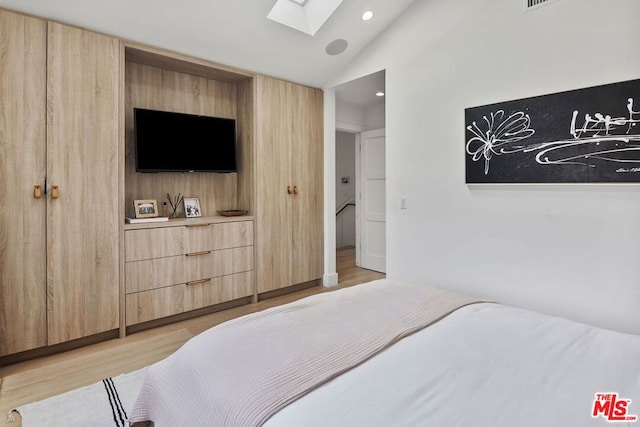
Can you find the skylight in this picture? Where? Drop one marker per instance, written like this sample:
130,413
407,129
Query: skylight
303,15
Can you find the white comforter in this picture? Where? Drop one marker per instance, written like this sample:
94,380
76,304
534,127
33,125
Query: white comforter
243,371
484,365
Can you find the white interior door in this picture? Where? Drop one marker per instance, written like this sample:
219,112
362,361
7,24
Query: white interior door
371,208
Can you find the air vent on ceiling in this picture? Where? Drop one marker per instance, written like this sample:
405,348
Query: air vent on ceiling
534,4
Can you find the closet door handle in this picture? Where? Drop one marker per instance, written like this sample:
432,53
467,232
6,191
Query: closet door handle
289,189
55,193
295,189
37,191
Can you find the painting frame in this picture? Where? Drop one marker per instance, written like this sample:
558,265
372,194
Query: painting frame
145,208
581,136
192,207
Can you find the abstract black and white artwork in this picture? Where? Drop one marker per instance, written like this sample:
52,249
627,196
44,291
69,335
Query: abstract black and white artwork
589,135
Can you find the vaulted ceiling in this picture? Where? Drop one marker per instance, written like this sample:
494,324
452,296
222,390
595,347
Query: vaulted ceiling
236,32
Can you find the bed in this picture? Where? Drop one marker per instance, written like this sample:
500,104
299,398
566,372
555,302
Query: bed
389,353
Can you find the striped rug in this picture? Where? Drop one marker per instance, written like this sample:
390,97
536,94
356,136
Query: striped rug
103,404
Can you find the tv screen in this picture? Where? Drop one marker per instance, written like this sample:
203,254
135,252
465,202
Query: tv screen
177,142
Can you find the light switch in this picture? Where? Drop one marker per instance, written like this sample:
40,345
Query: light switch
403,203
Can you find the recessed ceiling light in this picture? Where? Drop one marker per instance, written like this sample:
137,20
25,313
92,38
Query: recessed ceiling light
379,93
367,15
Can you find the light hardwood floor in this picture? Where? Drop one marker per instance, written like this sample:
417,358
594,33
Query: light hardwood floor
38,379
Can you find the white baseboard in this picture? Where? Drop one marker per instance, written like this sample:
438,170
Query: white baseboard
329,280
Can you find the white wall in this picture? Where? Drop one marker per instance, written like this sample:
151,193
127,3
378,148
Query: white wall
571,250
349,116
345,167
374,116
359,118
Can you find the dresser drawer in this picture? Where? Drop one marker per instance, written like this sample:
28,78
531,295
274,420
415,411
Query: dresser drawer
218,236
162,242
162,302
160,272
153,243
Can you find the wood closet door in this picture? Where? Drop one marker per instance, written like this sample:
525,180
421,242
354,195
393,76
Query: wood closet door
22,165
289,154
273,176
307,173
83,72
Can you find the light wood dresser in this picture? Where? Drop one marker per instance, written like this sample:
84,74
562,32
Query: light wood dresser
183,265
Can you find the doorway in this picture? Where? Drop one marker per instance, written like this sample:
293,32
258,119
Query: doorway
345,190
360,118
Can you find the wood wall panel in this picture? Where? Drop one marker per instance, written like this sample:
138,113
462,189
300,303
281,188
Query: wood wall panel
22,165
168,60
246,131
155,88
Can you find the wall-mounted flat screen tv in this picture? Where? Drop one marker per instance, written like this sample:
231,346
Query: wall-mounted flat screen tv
177,142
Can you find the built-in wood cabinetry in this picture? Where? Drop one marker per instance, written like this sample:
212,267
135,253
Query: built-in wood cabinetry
289,190
187,265
59,135
71,271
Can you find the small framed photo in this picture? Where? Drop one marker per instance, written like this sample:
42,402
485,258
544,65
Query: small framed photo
192,207
145,208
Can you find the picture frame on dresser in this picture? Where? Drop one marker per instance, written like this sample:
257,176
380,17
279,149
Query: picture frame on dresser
192,207
147,208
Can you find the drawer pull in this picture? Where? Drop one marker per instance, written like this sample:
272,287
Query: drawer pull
197,225
197,282
198,253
